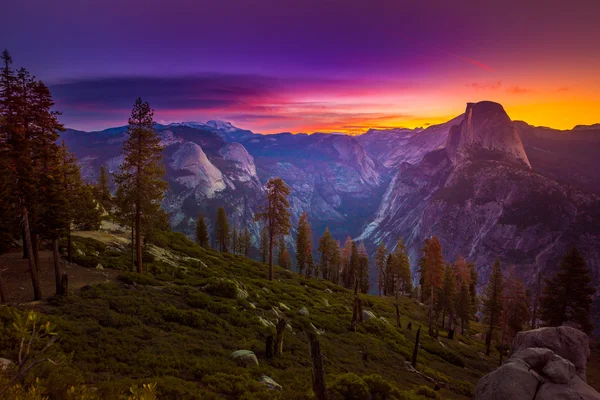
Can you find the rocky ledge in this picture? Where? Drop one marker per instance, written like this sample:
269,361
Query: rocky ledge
545,364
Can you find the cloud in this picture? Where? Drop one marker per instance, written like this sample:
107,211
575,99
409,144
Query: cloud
518,90
471,61
485,86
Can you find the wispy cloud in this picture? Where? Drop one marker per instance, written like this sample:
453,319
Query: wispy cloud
471,61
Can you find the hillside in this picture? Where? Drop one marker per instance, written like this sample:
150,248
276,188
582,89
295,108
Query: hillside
178,326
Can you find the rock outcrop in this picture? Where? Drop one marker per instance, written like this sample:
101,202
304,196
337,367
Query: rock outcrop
545,364
486,126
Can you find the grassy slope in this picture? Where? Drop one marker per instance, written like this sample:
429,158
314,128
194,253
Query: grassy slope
178,328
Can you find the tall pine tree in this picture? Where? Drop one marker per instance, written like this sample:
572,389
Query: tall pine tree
202,232
275,214
222,230
304,259
493,303
141,175
380,259
567,296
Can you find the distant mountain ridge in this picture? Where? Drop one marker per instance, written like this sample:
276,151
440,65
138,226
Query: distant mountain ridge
488,186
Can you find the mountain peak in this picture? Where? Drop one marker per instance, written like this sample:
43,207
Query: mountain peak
486,126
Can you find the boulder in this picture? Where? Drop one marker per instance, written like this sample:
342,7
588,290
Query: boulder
559,370
367,315
270,383
245,358
575,389
4,364
99,266
328,291
326,302
511,381
303,311
543,371
567,342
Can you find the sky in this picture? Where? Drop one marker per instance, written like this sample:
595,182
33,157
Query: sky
310,65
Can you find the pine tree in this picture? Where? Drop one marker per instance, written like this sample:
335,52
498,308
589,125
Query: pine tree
304,246
202,232
473,288
493,302
346,253
567,296
402,268
448,294
222,230
432,273
353,266
283,256
362,274
327,254
264,244
247,242
275,214
380,259
234,241
463,306
141,174
516,310
103,191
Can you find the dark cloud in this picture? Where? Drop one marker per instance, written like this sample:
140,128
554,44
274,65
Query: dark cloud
181,93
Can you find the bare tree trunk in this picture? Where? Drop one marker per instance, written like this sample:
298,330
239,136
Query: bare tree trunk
416,349
57,274
318,373
35,244
2,291
64,284
37,291
270,256
138,238
279,338
488,338
69,246
535,303
132,246
24,247
269,347
398,316
502,340
431,313
355,308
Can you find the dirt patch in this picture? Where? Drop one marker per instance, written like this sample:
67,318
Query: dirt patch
17,280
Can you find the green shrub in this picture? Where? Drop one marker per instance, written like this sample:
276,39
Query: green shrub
348,387
427,392
222,288
378,387
140,279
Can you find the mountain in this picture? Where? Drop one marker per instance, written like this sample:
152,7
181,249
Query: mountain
215,164
485,200
489,187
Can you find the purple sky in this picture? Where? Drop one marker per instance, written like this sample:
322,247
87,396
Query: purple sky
294,65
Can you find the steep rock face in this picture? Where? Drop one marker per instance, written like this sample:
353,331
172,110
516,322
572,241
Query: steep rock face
244,162
486,126
487,205
192,168
543,366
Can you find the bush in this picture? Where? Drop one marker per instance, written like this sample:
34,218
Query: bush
378,387
348,387
427,392
222,288
140,279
